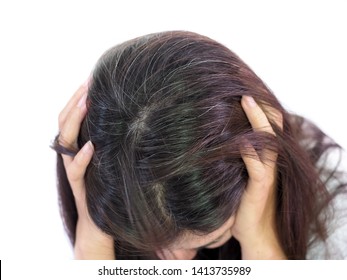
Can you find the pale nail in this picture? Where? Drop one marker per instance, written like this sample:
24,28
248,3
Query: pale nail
82,101
250,101
88,148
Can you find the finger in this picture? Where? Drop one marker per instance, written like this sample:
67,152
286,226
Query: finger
260,122
76,170
254,166
259,185
70,129
73,102
256,115
67,160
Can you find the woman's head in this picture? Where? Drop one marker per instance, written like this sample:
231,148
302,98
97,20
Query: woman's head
165,118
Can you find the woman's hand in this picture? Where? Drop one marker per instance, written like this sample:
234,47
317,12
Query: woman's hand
91,242
254,225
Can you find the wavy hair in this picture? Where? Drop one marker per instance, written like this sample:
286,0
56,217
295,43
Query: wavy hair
165,118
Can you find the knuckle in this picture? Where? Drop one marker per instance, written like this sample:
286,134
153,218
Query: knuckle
260,175
65,141
73,175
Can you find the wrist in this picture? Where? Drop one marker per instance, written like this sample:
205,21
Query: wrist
94,249
91,242
263,249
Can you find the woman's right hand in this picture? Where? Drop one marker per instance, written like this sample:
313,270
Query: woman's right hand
90,242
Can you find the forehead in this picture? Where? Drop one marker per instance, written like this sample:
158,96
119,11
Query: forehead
190,240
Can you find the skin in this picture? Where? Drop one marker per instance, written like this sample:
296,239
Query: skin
91,242
253,225
188,246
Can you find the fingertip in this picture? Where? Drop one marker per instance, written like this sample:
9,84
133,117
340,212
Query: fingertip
88,148
79,164
243,101
82,102
85,154
249,101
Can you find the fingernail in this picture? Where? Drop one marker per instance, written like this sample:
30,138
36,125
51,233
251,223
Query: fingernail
82,101
88,148
250,101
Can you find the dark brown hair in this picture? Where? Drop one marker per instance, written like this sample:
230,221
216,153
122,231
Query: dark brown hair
165,118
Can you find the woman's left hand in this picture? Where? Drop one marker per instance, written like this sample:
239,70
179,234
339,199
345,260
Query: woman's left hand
255,225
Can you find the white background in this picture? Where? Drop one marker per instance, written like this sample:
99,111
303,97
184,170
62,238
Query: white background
48,48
